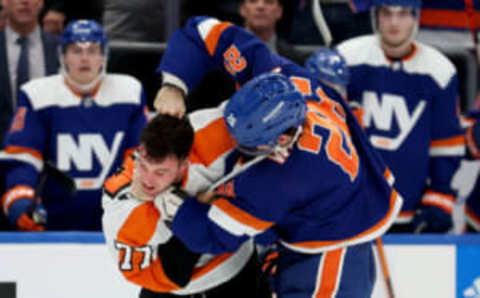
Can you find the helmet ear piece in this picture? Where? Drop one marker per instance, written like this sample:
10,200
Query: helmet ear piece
263,109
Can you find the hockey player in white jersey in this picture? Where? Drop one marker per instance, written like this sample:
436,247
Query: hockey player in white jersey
408,92
83,121
140,201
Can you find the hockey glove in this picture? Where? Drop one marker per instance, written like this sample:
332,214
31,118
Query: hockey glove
20,216
168,203
431,219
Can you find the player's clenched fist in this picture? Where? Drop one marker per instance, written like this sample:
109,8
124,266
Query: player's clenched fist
170,100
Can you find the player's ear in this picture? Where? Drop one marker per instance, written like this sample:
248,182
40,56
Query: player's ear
241,9
183,166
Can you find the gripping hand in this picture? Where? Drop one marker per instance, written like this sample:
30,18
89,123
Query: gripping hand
170,100
20,216
168,203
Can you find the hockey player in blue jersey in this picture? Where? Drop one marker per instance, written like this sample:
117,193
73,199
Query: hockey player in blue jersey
315,174
322,192
330,66
408,93
83,120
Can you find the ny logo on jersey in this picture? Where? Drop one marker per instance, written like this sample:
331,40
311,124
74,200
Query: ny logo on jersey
382,112
80,156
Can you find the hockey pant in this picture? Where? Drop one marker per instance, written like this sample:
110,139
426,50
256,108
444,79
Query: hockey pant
347,272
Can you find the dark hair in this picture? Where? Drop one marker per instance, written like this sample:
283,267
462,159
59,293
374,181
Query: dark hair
166,135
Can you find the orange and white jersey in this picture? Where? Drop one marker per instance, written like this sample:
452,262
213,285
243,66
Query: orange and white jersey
213,153
134,229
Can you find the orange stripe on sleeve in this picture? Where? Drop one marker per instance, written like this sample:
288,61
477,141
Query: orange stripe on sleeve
330,273
201,271
454,141
440,200
14,194
20,150
242,216
211,142
211,41
379,225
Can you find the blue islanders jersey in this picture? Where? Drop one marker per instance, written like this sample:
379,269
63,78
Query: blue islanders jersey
85,137
331,189
320,194
410,116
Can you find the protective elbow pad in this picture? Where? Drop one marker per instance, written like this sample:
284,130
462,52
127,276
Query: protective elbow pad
177,261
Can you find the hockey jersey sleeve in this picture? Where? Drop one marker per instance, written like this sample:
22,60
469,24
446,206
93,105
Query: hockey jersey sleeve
242,211
206,43
447,147
22,154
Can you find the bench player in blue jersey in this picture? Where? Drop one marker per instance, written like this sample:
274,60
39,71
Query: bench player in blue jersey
408,93
83,120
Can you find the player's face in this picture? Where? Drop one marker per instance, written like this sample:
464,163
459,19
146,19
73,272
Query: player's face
83,61
283,141
261,14
22,12
395,25
156,176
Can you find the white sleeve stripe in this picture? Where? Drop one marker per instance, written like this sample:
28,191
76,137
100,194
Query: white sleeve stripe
175,81
447,151
230,224
439,200
23,157
206,26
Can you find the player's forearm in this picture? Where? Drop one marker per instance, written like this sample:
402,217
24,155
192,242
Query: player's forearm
204,236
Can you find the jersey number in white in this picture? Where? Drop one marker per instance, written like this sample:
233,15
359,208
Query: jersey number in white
134,254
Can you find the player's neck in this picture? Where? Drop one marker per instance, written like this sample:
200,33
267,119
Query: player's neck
399,52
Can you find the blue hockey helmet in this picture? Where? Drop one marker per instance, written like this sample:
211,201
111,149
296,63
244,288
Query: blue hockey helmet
329,65
415,4
83,31
263,109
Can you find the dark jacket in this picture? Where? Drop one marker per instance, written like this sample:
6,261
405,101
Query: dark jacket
50,45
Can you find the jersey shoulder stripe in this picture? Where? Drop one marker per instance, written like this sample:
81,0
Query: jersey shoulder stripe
121,180
206,152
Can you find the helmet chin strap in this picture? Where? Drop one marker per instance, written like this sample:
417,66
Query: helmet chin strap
83,88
